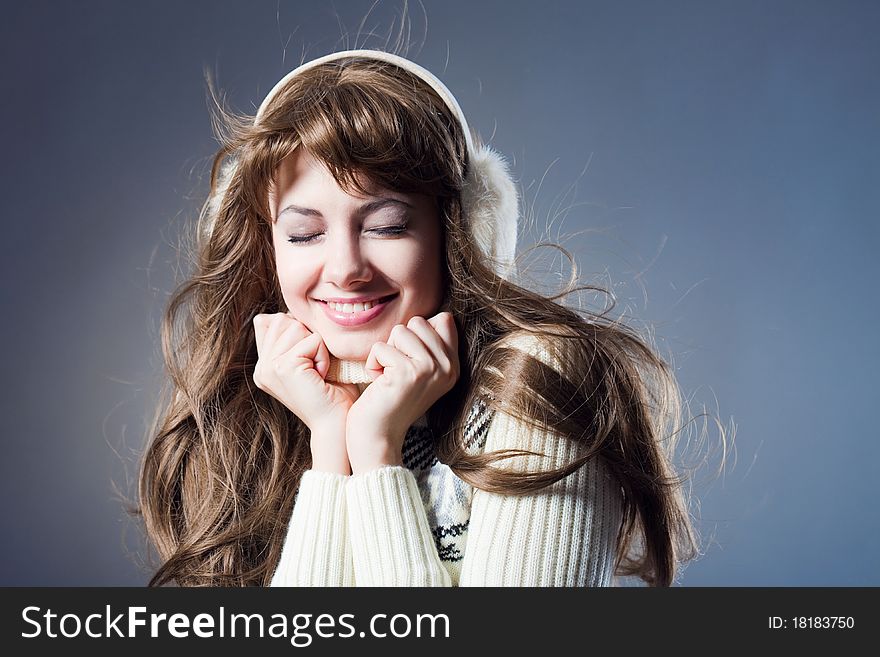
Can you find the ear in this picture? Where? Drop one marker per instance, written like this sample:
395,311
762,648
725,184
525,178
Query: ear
491,204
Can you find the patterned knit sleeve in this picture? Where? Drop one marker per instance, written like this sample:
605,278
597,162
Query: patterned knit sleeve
563,535
316,549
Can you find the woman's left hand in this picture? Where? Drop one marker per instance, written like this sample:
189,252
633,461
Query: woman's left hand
418,365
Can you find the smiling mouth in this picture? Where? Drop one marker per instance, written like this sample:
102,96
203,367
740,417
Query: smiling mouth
373,303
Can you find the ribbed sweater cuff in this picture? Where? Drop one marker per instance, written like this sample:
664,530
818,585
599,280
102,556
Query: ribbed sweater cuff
391,541
316,550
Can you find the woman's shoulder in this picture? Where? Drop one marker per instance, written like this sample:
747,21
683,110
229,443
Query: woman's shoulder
548,349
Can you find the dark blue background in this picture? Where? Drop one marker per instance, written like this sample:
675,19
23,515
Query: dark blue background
714,163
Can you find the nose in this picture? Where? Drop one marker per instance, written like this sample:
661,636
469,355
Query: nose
346,263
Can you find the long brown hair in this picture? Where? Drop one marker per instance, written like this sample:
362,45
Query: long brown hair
218,478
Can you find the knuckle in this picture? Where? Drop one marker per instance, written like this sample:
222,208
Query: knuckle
452,372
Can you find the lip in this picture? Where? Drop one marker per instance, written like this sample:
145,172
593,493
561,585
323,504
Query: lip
356,319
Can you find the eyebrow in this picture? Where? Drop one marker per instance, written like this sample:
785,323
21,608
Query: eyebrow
365,209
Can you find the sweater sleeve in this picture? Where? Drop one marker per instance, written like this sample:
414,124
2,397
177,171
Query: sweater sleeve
391,541
316,549
564,535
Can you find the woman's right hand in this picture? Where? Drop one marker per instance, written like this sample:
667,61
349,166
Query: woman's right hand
291,365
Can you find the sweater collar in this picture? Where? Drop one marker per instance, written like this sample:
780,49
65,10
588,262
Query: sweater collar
347,371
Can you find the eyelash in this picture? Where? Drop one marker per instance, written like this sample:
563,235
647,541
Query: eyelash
390,231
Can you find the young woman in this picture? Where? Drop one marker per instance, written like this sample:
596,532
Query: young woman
360,392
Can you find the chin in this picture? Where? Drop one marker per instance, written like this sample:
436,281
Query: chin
356,347
349,352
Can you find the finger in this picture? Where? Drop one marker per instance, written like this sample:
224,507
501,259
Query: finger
261,324
409,344
276,324
292,331
322,358
430,338
383,355
305,351
444,324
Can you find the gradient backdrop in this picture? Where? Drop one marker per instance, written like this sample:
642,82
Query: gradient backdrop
714,163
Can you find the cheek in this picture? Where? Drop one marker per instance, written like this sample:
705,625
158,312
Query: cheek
293,277
423,277
412,268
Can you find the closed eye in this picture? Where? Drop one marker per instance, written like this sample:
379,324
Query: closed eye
387,230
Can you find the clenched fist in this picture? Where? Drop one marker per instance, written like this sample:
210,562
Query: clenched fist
412,370
291,366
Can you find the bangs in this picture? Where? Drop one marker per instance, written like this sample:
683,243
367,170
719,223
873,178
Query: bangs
372,124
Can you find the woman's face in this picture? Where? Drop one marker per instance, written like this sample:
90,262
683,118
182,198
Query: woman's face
330,245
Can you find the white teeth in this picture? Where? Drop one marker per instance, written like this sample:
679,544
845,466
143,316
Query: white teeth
352,308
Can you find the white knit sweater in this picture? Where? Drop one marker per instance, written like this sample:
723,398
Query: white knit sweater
420,525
